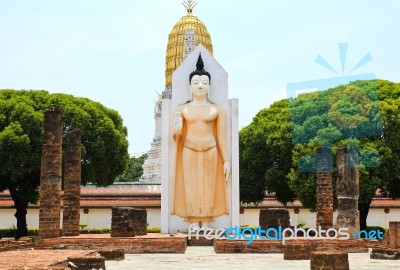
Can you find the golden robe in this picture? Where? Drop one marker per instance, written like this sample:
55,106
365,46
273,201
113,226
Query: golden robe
200,193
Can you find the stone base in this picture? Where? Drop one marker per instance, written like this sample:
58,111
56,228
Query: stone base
138,245
297,252
385,254
34,259
273,218
329,260
276,246
22,243
239,246
393,235
87,263
202,241
128,222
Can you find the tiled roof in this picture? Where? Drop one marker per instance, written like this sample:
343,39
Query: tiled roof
149,195
128,189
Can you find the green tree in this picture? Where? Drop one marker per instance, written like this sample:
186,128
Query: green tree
265,155
134,170
364,115
347,115
104,143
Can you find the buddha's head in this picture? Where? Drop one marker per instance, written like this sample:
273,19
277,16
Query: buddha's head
199,81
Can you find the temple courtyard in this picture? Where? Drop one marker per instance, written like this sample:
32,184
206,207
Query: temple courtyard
160,251
195,257
206,258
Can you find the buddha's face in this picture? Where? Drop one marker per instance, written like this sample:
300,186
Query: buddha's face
199,87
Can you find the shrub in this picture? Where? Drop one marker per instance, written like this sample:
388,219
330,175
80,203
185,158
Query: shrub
301,224
10,233
248,227
376,228
154,230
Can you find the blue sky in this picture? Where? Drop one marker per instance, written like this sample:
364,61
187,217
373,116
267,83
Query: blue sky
113,51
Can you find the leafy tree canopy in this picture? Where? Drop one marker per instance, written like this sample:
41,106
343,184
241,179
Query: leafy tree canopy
278,149
134,170
104,142
265,148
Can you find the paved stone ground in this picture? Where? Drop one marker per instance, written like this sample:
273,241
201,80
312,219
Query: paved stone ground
205,258
37,258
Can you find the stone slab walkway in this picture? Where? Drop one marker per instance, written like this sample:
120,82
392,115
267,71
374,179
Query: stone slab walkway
205,258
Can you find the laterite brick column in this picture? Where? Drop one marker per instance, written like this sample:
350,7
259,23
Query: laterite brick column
72,183
324,189
273,218
348,190
50,175
329,260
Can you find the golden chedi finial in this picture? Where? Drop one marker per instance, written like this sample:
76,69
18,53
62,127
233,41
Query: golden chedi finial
189,5
186,34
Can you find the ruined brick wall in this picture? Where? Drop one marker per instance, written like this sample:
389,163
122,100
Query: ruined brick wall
22,243
50,175
72,183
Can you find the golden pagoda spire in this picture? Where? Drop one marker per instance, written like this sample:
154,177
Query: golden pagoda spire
186,34
189,5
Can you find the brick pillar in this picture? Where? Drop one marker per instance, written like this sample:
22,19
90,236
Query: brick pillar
50,175
72,183
324,189
348,190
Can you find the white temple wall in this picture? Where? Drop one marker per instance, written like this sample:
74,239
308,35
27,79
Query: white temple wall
97,218
101,218
7,219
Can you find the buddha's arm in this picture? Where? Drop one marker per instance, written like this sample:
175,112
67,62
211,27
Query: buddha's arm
221,133
178,123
